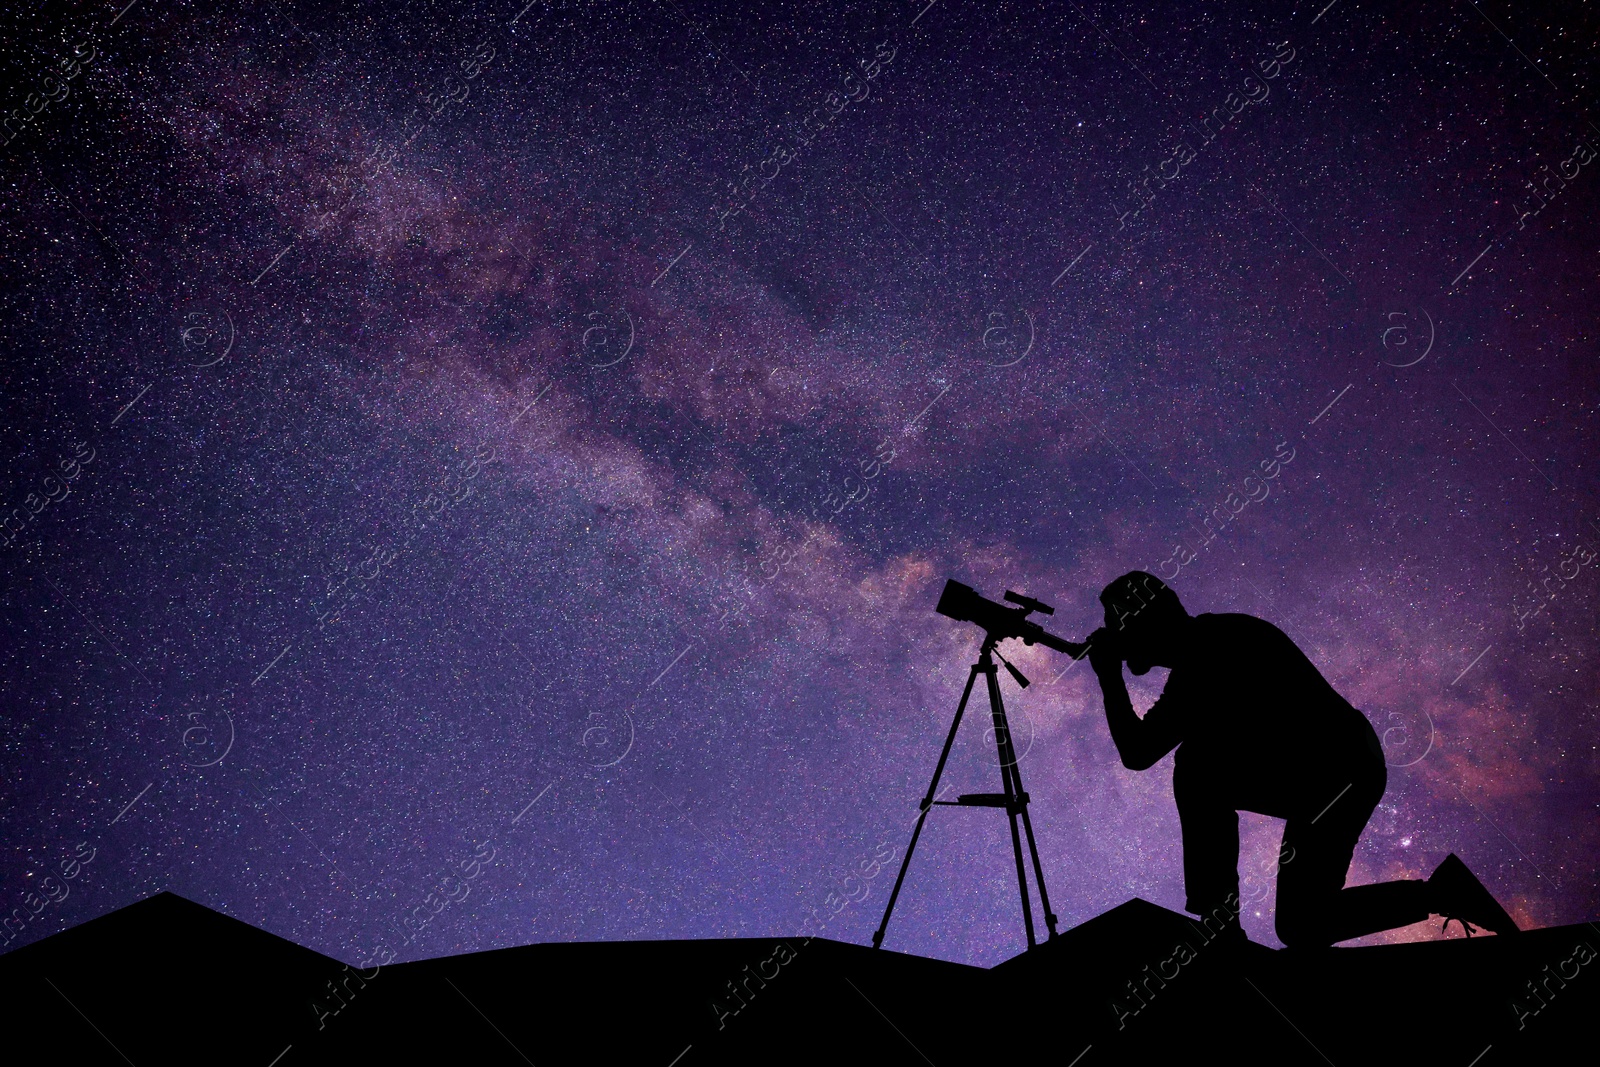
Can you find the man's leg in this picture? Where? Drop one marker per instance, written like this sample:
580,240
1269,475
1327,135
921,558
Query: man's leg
1210,847
1314,908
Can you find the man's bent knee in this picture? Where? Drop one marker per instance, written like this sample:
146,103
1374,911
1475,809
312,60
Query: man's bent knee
1303,930
1219,919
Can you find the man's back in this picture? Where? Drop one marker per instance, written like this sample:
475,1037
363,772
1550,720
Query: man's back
1246,705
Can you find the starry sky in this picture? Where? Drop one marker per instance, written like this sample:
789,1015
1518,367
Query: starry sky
477,474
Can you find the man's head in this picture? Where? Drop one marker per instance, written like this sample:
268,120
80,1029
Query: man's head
1145,618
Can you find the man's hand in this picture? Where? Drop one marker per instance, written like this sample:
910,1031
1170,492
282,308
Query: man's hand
1104,656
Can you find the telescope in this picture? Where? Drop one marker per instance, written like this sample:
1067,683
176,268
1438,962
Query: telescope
999,622
965,604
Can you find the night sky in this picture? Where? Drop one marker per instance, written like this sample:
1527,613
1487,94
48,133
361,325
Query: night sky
476,476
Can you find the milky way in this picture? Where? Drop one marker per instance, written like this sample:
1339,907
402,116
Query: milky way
477,476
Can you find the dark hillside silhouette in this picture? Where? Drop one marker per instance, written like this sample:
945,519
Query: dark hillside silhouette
168,982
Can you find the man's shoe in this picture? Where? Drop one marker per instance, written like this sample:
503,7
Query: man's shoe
1459,896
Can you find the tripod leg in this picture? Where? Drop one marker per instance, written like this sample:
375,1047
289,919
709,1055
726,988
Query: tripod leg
1038,871
927,801
1011,764
1002,740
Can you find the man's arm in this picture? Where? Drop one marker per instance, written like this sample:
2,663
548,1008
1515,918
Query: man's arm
1140,742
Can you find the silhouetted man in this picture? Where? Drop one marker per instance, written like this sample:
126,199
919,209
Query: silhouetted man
1259,729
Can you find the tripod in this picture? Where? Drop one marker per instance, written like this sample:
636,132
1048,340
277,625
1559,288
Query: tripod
1013,798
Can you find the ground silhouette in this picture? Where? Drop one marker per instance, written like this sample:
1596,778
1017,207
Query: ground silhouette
168,981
